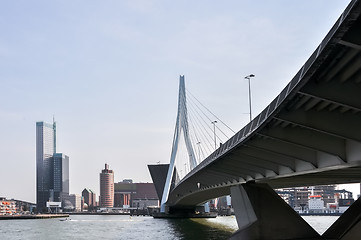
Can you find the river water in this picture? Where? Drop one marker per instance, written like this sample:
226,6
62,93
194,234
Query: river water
126,227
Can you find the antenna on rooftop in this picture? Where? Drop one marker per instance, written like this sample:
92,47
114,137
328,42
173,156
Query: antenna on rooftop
54,129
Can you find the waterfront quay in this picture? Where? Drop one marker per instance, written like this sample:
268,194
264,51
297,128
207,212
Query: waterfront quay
32,216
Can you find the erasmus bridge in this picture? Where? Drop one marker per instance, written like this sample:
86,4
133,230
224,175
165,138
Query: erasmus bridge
310,134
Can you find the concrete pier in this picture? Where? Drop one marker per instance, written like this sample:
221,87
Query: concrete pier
262,214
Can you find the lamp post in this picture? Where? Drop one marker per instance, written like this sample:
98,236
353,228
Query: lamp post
214,132
248,77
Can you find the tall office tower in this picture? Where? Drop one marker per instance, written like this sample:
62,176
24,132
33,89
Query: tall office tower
60,177
45,148
106,187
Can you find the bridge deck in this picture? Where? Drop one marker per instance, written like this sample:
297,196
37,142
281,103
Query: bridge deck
309,135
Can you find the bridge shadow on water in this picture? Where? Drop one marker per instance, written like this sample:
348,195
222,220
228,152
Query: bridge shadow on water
199,229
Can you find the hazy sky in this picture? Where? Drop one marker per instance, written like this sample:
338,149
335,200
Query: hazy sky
109,71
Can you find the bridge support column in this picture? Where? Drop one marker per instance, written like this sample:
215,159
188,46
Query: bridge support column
348,225
262,214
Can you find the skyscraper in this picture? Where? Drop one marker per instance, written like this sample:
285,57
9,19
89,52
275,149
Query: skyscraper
60,173
52,169
45,149
106,187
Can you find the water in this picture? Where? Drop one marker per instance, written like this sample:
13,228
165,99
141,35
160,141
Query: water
320,223
126,227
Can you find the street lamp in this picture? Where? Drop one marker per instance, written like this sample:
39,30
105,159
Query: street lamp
249,94
214,131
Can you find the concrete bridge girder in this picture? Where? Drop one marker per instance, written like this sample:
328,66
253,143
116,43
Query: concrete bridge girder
325,121
271,168
282,161
353,151
305,159
285,148
247,169
308,139
214,177
339,61
331,92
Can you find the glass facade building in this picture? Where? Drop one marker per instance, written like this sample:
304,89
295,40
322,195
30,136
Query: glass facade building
45,149
60,174
52,169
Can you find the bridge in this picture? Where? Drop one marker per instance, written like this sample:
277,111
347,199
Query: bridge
310,134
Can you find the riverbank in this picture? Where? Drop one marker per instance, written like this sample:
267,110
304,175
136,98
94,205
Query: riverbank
32,216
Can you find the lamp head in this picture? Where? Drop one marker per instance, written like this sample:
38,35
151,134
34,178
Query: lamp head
249,76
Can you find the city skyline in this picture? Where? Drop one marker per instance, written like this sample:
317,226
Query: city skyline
109,74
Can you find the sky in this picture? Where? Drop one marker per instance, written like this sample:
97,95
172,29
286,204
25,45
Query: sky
108,72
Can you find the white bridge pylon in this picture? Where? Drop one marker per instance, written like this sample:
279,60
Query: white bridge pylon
181,125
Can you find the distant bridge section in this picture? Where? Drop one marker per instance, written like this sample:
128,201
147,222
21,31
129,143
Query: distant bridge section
310,134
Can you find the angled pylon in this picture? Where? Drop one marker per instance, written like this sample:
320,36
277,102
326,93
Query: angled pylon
181,125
